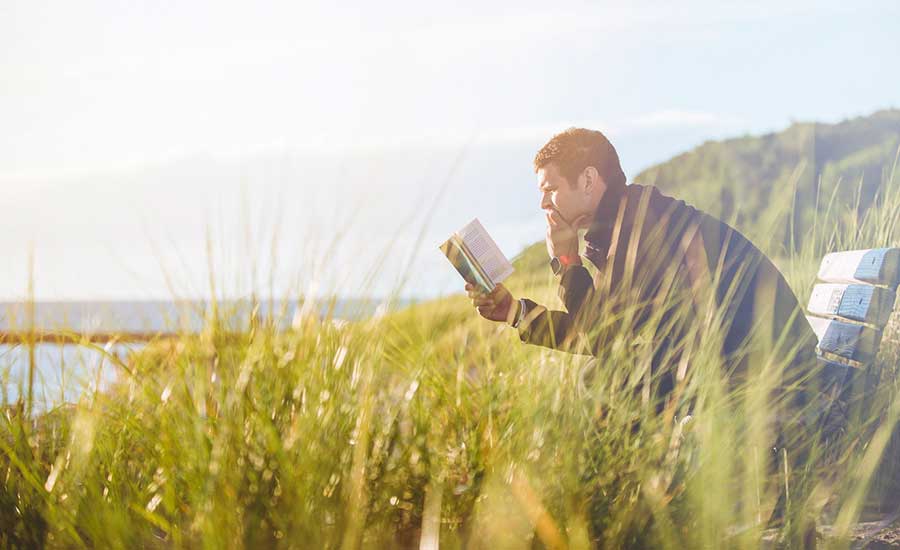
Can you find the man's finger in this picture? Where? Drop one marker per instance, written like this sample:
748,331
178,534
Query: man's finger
561,223
556,219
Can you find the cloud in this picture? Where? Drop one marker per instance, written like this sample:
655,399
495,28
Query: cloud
674,118
535,133
647,122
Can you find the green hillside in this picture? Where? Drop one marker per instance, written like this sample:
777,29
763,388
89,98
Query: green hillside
749,180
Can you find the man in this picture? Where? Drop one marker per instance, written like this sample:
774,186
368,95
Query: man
657,259
665,267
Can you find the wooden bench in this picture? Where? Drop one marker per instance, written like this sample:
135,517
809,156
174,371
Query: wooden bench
849,309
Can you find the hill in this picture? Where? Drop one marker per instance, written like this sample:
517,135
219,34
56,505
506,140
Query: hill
746,180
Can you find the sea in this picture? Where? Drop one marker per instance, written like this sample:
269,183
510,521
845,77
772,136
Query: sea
65,372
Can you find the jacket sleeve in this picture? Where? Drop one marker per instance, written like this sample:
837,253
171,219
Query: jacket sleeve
559,329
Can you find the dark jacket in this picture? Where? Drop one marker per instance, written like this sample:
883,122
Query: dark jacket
661,259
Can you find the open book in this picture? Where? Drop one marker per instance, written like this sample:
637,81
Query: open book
477,257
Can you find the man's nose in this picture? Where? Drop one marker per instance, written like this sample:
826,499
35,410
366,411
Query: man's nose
545,201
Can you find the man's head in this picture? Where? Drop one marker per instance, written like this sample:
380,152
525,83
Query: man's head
575,169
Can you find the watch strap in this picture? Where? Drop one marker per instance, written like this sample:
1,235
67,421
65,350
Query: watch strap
559,263
521,315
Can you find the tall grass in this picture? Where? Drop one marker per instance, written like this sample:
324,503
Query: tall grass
430,427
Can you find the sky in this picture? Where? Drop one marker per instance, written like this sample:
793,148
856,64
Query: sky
132,131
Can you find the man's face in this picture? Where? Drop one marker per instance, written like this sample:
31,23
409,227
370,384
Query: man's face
570,201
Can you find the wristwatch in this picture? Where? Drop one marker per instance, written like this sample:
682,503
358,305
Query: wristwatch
521,314
559,263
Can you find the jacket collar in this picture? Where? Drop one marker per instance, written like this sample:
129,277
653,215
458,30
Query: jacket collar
599,234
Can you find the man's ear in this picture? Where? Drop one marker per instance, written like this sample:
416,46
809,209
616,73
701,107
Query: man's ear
594,185
591,179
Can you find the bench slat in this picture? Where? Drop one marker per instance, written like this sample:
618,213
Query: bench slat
855,342
877,266
864,303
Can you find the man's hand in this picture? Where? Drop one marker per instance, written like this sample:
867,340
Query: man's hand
498,306
562,237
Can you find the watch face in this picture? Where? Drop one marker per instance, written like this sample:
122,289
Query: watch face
555,265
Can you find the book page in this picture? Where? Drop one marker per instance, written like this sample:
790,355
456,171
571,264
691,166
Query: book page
486,252
466,266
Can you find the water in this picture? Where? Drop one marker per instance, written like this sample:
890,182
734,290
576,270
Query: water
64,372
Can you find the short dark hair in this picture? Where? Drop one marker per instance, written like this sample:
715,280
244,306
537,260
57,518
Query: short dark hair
575,149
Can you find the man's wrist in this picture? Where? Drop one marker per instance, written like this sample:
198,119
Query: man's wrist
559,264
519,307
